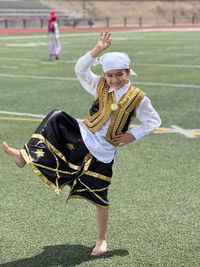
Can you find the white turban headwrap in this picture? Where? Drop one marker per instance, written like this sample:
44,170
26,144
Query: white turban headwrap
115,61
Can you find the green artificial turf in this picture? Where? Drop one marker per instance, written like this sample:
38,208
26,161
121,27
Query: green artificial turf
154,195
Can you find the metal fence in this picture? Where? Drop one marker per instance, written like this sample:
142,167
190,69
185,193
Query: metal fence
41,22
34,14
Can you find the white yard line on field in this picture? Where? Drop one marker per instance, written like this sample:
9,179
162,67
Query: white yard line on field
74,61
38,77
169,65
60,60
159,52
36,60
21,114
18,59
29,65
44,36
26,44
169,85
9,67
131,31
16,116
75,79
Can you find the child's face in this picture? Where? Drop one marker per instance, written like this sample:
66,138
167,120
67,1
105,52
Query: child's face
117,78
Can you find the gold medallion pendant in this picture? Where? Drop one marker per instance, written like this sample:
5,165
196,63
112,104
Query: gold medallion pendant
114,106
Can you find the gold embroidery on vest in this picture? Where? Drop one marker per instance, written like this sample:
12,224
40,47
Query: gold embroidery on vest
119,119
96,121
130,108
120,116
128,103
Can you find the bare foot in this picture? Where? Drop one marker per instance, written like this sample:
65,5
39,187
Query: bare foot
100,248
14,154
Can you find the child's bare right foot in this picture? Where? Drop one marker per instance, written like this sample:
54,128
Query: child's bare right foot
14,154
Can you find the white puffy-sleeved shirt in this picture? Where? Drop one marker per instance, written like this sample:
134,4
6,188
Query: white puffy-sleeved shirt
96,142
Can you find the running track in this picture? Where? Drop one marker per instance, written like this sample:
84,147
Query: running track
72,29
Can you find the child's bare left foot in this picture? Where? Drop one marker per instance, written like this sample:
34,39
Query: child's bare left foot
100,248
14,154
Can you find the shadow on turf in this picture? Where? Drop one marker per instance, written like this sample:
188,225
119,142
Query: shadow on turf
63,255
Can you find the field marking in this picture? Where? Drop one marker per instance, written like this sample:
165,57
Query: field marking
29,65
37,60
135,64
169,85
139,30
26,44
20,119
75,79
19,59
168,65
9,67
18,114
38,77
45,37
190,133
158,52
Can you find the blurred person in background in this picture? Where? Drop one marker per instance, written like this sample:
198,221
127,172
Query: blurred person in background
54,46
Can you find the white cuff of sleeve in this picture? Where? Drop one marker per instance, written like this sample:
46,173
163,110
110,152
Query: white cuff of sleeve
138,133
92,60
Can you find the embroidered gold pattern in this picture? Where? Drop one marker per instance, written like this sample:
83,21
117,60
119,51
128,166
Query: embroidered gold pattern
27,158
39,153
93,191
82,197
97,120
70,146
114,106
99,176
121,111
120,116
55,187
124,99
87,162
56,151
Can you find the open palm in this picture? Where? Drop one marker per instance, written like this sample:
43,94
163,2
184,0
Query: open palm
104,40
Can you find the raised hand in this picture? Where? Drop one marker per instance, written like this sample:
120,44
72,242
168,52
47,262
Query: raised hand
103,43
104,40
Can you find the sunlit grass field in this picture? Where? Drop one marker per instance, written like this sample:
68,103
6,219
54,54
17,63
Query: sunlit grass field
155,191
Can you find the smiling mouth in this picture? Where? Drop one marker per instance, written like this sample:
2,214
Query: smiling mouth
116,84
